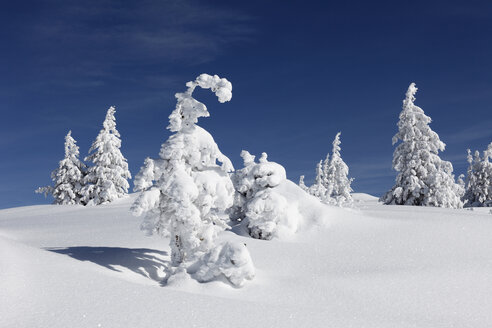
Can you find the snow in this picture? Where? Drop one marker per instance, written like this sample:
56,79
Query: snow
371,266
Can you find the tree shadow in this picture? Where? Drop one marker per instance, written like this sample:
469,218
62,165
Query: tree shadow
150,263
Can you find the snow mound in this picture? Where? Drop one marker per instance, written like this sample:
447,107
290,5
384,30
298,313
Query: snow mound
260,203
232,260
361,197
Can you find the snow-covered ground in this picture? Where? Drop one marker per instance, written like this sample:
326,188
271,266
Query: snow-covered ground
371,266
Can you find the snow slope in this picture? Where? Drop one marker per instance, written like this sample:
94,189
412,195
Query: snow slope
372,266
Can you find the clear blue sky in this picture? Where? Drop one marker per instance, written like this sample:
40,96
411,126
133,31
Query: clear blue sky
301,71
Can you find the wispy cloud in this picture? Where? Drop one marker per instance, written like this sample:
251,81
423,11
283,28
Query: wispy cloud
88,41
483,129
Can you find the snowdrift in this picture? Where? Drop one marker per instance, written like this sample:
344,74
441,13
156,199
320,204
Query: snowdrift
371,266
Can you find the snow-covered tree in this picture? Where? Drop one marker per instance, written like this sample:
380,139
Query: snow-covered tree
302,184
326,174
335,178
67,178
185,193
263,210
479,180
107,178
423,177
318,189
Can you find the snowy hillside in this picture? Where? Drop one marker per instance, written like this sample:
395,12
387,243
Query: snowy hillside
371,266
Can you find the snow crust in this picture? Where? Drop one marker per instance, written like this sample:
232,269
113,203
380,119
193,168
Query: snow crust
376,266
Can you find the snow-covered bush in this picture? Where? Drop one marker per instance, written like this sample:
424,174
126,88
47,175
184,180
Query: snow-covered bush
478,190
264,211
185,192
231,260
67,178
107,178
423,177
335,177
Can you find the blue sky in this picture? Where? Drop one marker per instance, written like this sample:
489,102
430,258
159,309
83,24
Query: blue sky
301,71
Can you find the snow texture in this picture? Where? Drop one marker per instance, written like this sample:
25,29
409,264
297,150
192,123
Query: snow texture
67,178
185,193
107,178
374,267
423,179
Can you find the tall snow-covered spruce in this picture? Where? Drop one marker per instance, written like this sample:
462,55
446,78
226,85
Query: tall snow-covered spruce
423,179
185,193
107,178
67,178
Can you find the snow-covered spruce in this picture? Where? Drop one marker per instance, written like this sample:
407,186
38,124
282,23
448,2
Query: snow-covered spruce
107,178
423,178
478,189
318,189
302,185
67,178
335,177
264,211
185,192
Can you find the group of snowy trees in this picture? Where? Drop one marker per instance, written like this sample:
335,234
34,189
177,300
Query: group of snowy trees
478,188
332,184
191,192
425,179
104,181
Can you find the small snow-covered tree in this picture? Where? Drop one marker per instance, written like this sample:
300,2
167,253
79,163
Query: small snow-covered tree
67,178
264,211
107,178
423,178
302,184
336,179
185,192
479,180
318,189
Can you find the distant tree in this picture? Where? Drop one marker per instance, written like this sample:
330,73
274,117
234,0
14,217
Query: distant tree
67,178
107,178
336,179
479,180
423,179
185,192
302,184
318,190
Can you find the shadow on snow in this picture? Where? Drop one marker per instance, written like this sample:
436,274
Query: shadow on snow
149,263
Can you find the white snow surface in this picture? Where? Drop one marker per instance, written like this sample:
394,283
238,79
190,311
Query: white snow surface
371,266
